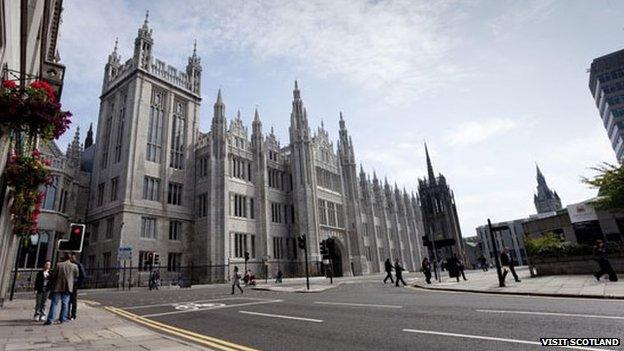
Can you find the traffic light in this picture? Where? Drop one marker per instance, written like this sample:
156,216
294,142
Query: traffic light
301,240
331,247
246,256
156,259
76,239
323,245
149,260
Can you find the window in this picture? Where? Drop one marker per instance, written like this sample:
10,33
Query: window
252,210
241,206
50,194
107,135
63,201
175,228
174,261
240,168
154,130
95,227
253,246
151,188
34,254
114,188
110,223
100,194
322,212
277,179
240,245
328,180
202,168
174,195
202,205
331,214
278,252
120,128
178,135
106,262
148,227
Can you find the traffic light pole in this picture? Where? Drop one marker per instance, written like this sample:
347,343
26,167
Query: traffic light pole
305,254
501,282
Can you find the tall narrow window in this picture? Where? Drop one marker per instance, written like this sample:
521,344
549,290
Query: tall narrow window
178,135
154,130
114,188
107,135
175,227
100,194
202,205
148,227
174,195
110,223
151,188
120,128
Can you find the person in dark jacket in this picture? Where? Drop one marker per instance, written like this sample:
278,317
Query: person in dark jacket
73,300
42,288
388,267
483,263
452,266
460,266
600,255
508,264
61,288
398,272
426,269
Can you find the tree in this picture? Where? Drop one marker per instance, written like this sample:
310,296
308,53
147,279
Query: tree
610,184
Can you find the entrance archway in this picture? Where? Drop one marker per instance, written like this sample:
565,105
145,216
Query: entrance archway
337,261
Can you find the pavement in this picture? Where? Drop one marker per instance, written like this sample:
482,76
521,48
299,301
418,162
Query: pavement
355,313
556,285
95,329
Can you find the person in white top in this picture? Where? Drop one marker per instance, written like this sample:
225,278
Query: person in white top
42,289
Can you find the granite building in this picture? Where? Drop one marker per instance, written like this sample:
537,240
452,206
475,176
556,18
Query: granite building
203,199
439,212
606,83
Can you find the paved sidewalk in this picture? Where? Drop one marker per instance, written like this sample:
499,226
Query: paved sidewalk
320,284
95,329
555,285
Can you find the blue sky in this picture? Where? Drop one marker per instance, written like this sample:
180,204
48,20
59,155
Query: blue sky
492,86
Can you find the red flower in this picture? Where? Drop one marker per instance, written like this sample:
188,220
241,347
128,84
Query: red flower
42,85
9,84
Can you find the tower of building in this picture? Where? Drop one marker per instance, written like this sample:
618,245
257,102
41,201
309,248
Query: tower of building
546,200
439,214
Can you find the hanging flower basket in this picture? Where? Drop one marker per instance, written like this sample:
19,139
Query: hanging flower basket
34,110
25,174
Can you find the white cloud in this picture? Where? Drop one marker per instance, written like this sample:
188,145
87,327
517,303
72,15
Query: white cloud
474,132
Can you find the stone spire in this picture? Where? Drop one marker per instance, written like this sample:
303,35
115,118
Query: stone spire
73,149
114,58
89,139
143,45
193,71
546,200
431,175
299,129
256,131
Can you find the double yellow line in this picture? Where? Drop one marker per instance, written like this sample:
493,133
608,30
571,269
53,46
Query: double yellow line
215,343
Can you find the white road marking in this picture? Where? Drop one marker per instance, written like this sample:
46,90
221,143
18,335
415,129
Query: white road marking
210,308
196,301
282,316
554,314
356,304
479,337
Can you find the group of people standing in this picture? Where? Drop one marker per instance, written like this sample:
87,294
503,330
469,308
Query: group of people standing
59,285
398,272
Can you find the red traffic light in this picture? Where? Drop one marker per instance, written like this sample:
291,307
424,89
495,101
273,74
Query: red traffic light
77,230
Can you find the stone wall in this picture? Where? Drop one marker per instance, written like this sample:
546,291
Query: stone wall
573,265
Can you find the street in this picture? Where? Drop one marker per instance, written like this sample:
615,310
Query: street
365,314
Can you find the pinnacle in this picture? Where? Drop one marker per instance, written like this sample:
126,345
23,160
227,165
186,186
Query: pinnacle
219,99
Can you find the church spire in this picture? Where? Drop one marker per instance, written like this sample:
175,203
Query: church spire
89,139
546,200
430,173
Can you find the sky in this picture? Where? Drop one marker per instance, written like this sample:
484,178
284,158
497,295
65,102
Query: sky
493,87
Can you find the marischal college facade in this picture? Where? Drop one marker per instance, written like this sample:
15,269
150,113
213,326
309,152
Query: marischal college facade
160,185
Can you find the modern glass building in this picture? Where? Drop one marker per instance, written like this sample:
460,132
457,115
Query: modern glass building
606,83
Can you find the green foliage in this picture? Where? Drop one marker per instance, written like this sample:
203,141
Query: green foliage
552,245
610,185
533,245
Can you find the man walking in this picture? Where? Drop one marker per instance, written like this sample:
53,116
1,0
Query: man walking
63,284
73,300
426,269
388,267
508,264
398,272
236,280
600,255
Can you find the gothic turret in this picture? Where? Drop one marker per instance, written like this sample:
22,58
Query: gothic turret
219,127
546,200
143,45
193,71
299,129
89,139
112,66
430,174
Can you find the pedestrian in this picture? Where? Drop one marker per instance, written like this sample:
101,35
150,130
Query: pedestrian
483,263
63,284
460,266
452,266
388,267
73,301
398,272
508,264
154,279
236,280
426,268
42,288
280,275
600,255
247,277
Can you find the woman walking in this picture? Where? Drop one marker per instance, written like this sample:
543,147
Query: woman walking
236,280
42,284
426,268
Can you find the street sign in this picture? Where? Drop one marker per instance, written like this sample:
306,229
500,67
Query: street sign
124,253
326,261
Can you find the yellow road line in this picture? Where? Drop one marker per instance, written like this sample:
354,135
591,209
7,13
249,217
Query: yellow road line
183,333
